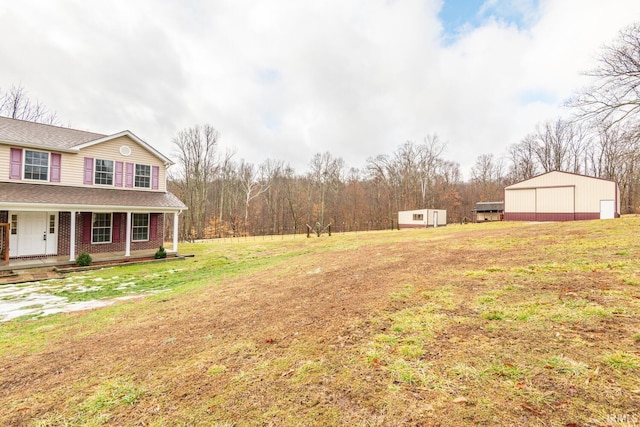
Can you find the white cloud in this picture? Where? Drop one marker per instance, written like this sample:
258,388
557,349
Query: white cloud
286,79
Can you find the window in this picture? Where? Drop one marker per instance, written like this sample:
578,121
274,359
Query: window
418,217
140,231
143,176
36,165
52,224
101,228
14,224
103,172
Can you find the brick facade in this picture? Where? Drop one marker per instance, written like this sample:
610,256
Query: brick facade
120,246
64,236
64,232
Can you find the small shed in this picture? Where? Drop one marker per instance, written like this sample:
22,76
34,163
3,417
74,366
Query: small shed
489,211
422,218
561,196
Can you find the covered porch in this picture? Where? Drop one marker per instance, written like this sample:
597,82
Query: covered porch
50,225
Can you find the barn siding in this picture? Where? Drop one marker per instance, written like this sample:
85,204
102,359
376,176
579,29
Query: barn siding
559,196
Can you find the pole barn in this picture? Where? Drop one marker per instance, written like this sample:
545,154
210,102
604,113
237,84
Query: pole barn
561,196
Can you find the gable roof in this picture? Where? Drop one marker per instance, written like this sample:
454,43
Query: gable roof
31,134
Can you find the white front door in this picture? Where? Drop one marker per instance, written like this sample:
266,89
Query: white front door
435,219
33,233
607,209
52,233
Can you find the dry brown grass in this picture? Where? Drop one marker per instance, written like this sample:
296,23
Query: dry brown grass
489,324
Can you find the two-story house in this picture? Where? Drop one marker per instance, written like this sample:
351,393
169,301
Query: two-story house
65,191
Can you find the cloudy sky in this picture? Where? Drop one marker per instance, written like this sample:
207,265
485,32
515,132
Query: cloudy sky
285,79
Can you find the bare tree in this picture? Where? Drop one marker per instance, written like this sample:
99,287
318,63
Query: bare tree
254,184
197,165
557,142
326,174
522,157
615,95
487,177
16,104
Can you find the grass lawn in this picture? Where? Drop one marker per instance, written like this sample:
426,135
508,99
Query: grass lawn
505,324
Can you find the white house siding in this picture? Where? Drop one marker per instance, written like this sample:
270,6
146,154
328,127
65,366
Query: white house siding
559,196
4,162
110,150
72,167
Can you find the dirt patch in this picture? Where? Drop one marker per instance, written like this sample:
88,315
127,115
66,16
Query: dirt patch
313,339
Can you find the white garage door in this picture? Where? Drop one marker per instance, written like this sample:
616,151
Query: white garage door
555,200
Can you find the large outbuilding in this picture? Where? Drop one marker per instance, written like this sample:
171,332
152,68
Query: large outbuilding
422,218
561,196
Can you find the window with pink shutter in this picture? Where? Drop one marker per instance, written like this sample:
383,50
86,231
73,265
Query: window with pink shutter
15,168
88,170
56,160
155,177
119,171
129,175
153,232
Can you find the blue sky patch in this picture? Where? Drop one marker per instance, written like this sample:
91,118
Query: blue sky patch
460,16
532,96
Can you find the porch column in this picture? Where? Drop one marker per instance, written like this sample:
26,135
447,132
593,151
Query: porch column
72,237
175,232
127,251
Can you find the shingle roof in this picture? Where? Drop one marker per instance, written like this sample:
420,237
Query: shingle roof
87,197
24,132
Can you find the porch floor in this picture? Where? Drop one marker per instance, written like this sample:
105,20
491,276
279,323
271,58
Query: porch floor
58,261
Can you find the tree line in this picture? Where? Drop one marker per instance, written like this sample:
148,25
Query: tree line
230,197
227,197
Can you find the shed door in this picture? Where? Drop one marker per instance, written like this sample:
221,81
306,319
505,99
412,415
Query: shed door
607,209
435,219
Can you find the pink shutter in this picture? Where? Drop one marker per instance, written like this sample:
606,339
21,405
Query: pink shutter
118,174
129,176
56,160
88,170
153,226
155,177
117,224
15,168
86,227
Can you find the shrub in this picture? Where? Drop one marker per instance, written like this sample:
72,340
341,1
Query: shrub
84,259
161,253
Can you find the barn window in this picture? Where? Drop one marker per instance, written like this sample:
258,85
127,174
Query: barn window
418,217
